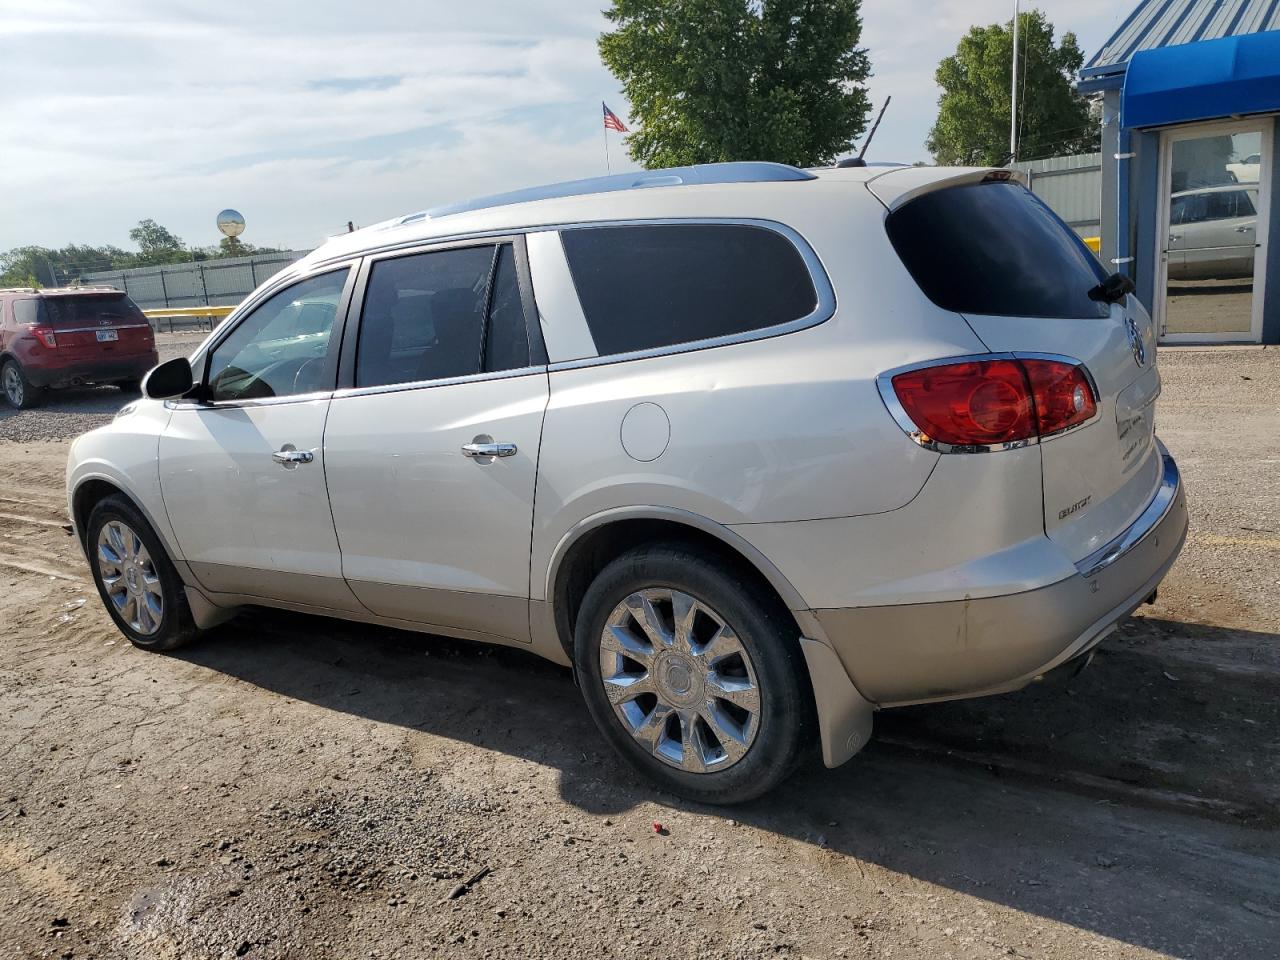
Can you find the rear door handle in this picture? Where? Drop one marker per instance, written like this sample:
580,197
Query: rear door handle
288,457
480,450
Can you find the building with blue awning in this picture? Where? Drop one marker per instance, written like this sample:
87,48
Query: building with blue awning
1190,94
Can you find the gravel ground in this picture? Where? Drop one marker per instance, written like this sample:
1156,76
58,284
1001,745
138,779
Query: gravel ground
65,414
296,787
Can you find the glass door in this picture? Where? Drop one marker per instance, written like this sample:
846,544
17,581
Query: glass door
1212,239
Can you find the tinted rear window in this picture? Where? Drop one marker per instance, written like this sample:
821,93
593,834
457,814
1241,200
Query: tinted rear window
995,248
657,285
87,309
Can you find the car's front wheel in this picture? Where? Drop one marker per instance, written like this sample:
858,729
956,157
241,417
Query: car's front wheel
135,578
694,673
21,393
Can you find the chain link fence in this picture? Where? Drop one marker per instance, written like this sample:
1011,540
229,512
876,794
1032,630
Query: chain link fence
202,283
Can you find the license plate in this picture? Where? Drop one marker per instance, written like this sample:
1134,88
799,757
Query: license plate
106,336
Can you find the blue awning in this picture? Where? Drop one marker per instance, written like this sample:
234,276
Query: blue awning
1202,81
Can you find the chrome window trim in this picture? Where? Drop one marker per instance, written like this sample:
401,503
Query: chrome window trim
823,311
884,384
253,402
101,326
1140,529
346,392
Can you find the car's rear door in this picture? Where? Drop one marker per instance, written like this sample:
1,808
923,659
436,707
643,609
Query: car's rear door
998,256
432,447
243,470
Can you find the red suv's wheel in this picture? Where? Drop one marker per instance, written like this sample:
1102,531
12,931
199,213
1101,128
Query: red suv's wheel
18,390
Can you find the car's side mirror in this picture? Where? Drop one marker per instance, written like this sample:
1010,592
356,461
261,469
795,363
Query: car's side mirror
171,379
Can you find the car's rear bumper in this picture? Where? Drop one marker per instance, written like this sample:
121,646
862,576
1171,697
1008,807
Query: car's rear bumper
913,653
92,371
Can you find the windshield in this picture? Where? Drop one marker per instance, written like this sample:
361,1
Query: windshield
995,249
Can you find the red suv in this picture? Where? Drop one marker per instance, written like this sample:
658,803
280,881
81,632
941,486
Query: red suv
71,336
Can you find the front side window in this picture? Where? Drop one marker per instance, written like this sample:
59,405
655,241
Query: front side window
657,285
443,314
283,347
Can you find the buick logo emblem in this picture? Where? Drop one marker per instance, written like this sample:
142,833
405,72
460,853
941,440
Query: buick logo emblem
1136,345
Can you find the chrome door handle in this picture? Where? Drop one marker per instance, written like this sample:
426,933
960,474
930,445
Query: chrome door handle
480,450
1243,229
289,457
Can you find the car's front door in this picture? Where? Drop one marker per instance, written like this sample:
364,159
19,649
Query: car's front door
432,448
242,471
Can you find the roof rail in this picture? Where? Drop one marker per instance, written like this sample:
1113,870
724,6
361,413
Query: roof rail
748,171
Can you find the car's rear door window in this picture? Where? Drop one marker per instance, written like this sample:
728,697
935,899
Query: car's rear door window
995,249
657,285
440,315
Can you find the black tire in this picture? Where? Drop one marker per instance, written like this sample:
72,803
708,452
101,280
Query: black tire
129,386
786,731
20,392
175,625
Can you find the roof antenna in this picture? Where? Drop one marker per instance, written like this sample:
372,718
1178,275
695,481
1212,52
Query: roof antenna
860,159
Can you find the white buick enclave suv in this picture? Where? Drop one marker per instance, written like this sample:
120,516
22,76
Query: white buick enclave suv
756,450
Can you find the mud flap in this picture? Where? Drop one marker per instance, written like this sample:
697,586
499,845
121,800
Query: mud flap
844,715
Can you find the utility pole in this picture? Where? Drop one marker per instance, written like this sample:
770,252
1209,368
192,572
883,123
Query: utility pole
1013,91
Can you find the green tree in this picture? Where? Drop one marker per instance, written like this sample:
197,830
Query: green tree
157,245
21,265
713,80
973,112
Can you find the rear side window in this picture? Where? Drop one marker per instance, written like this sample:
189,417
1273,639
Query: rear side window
658,285
449,313
995,249
81,309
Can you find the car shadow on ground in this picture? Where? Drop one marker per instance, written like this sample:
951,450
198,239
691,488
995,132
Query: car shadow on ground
1182,885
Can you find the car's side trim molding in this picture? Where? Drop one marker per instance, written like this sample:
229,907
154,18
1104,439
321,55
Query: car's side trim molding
1148,520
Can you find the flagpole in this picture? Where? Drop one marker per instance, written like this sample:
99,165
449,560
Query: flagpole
607,165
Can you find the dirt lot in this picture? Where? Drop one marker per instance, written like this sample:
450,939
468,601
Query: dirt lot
299,787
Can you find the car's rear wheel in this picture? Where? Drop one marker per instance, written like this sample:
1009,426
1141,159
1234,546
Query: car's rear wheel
21,393
136,580
694,673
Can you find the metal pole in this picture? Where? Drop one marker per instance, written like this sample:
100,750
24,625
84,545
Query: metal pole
1013,91
607,165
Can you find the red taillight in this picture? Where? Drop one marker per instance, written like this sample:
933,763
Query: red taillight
45,335
1061,393
984,402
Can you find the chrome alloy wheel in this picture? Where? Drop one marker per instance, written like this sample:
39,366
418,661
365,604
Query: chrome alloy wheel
14,388
130,577
680,680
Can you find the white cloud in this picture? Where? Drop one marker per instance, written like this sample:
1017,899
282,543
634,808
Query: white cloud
304,114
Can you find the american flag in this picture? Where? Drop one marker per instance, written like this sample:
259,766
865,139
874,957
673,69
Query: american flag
611,121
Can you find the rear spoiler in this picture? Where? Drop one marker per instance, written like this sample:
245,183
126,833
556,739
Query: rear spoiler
903,184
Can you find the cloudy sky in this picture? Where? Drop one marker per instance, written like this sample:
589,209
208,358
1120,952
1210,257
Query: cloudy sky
304,114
